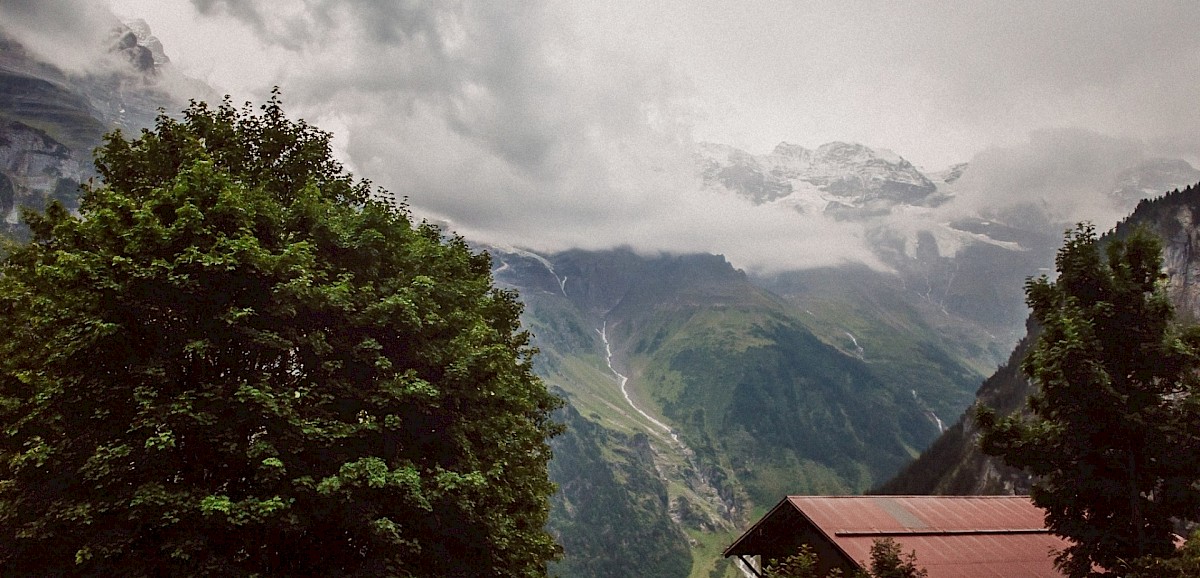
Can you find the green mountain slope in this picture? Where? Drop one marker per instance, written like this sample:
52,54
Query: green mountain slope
902,337
786,413
736,394
611,511
953,465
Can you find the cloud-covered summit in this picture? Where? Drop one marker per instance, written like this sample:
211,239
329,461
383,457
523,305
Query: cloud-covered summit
553,125
71,34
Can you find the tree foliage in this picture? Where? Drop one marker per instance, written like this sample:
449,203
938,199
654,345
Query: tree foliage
887,561
802,564
1115,409
1185,563
240,361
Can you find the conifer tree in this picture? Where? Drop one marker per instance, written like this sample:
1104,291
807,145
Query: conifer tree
1114,430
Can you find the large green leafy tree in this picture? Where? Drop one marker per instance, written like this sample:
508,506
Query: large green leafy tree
239,361
1112,439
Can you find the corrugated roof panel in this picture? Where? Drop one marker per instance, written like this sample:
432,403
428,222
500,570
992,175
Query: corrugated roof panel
971,556
920,513
954,536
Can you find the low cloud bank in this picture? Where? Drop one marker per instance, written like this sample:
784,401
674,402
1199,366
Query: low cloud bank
72,34
529,124
1066,173
547,125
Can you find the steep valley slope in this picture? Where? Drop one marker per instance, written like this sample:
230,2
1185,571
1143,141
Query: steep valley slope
732,390
736,395
954,464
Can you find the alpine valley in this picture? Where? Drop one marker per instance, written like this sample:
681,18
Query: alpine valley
709,393
699,394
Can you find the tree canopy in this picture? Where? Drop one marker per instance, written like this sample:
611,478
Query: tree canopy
238,360
1115,426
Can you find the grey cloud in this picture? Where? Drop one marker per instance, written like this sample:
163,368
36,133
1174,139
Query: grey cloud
484,66
506,86
1066,171
516,126
68,33
568,124
1115,67
247,12
938,81
558,124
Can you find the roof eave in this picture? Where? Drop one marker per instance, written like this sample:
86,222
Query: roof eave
730,551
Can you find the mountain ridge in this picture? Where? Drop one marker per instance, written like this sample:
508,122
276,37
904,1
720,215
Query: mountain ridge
836,174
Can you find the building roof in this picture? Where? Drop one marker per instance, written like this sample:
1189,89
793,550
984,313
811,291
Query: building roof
953,536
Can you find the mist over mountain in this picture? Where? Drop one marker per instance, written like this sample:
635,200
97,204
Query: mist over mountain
751,385
964,239
835,177
55,106
554,126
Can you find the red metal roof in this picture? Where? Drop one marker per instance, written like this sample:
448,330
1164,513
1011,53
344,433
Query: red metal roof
971,555
953,536
887,514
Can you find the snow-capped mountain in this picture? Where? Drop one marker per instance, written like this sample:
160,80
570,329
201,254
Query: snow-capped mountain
839,178
960,243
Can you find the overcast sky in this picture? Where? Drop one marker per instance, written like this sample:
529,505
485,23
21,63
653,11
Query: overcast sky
560,124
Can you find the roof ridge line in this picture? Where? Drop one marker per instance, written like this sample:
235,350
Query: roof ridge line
936,497
933,532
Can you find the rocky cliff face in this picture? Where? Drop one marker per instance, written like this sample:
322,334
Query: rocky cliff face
51,120
33,169
1180,228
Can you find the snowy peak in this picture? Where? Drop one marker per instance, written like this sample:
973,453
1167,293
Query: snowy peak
861,174
1151,178
788,150
836,177
852,153
147,40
